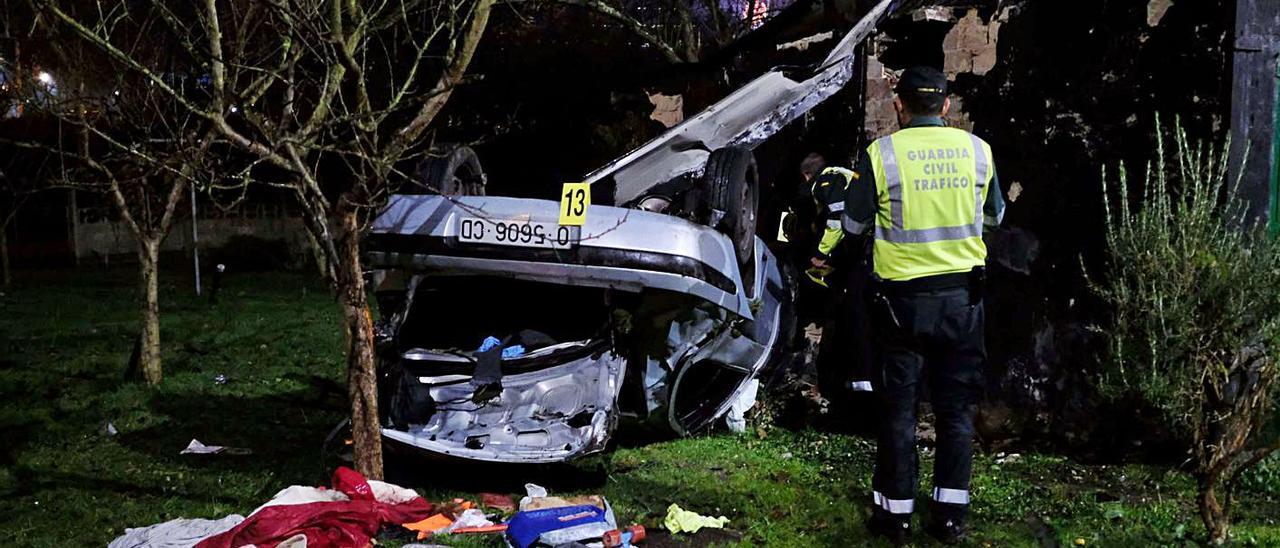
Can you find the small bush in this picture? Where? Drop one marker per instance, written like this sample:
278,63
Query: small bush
1196,315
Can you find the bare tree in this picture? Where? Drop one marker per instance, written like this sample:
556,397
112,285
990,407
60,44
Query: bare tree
107,131
681,31
327,98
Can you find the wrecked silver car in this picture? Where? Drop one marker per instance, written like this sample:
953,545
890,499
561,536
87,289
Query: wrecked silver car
530,347
506,336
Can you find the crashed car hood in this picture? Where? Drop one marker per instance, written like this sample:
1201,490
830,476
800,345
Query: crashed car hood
625,249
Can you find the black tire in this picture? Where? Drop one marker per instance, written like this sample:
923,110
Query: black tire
452,172
732,186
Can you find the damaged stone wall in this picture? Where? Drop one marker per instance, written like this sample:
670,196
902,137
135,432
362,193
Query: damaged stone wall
968,47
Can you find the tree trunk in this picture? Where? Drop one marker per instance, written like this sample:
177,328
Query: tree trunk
149,260
1211,511
4,256
317,253
361,378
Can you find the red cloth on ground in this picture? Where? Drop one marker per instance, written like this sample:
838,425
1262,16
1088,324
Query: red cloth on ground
344,524
351,483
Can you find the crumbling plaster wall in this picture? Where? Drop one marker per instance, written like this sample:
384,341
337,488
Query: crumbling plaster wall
968,47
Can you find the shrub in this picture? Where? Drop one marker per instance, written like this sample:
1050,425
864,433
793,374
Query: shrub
1194,291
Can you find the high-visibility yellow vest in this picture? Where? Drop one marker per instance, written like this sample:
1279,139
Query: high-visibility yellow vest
931,184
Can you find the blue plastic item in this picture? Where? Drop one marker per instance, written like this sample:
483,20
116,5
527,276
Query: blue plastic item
488,344
513,351
524,528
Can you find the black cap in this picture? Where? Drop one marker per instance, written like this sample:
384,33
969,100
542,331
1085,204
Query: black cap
922,80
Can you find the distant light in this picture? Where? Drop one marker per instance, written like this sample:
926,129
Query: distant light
117,92
234,109
45,78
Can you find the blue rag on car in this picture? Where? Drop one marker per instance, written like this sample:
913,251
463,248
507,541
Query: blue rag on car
525,528
513,351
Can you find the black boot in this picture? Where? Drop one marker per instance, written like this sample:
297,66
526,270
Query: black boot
895,529
946,523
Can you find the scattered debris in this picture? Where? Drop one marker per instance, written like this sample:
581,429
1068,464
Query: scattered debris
1156,10
437,523
1015,190
554,521
804,43
471,518
736,418
621,538
1002,458
178,532
679,520
198,448
668,110
498,502
220,379
557,526
350,514
933,13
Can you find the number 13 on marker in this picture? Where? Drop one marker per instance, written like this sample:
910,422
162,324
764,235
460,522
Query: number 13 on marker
574,200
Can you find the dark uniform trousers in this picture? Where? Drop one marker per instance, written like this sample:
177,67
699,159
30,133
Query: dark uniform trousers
930,338
846,360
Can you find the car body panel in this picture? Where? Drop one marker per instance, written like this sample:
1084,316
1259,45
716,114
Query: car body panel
619,248
541,416
744,118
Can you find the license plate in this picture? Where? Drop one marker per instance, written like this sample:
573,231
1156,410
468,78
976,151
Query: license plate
516,233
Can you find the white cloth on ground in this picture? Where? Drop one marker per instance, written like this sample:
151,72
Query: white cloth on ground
178,533
301,494
386,493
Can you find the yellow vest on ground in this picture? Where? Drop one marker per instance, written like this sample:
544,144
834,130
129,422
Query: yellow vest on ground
931,184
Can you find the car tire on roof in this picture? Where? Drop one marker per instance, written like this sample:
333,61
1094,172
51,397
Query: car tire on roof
731,184
451,171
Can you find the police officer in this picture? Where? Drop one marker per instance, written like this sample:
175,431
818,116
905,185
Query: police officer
828,186
846,341
930,193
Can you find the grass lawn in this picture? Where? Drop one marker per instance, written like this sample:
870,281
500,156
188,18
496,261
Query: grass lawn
65,338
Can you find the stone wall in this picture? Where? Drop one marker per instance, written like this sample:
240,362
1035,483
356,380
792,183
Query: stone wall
106,238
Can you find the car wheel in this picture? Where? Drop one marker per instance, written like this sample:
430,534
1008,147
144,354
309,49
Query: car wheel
732,187
452,172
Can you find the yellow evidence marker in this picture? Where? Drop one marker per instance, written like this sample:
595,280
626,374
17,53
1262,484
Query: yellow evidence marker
574,201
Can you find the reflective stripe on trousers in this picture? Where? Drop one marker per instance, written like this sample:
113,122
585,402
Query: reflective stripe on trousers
893,506
951,496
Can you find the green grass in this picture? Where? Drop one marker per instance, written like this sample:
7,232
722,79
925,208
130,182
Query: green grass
65,339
